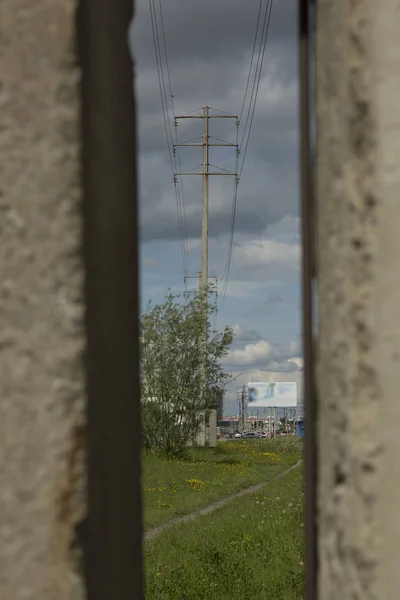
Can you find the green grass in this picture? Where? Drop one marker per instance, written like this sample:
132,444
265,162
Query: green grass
176,487
251,548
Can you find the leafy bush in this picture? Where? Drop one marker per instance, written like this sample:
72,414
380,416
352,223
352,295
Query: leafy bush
181,371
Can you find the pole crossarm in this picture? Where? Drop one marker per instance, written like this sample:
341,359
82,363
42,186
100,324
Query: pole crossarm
201,144
197,276
208,117
201,173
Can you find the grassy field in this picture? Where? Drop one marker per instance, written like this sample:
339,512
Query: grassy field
252,548
176,487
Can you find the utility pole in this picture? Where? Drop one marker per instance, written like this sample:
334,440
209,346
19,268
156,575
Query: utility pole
212,420
198,276
204,212
203,284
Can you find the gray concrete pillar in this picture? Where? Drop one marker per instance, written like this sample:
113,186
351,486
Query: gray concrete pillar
358,378
69,362
41,307
212,428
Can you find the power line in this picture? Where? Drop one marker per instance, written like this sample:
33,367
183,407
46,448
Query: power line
248,124
221,169
257,73
212,137
180,180
176,134
252,58
179,193
192,139
189,112
257,78
225,275
259,45
223,112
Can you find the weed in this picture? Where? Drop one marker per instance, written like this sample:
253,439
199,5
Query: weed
251,548
173,487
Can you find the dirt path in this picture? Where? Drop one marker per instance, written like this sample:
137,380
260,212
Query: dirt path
154,531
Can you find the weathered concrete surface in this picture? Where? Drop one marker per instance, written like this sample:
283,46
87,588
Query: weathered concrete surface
41,330
386,61
358,193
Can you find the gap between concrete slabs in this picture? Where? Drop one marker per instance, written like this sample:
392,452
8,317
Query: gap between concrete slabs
152,533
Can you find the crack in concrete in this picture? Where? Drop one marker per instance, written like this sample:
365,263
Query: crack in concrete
155,531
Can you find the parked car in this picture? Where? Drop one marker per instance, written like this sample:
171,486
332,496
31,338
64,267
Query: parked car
264,434
251,434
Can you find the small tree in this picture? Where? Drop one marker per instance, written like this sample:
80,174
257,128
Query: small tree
174,369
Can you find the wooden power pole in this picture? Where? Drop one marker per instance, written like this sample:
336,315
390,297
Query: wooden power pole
205,173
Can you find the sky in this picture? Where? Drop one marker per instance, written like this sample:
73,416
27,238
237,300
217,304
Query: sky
209,45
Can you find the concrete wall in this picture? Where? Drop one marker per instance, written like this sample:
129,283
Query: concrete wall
41,306
69,384
358,193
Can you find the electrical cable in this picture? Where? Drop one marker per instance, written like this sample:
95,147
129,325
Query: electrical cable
252,58
225,275
223,112
248,124
176,136
260,62
173,149
167,126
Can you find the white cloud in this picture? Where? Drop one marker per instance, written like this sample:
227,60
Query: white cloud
279,259
261,353
299,361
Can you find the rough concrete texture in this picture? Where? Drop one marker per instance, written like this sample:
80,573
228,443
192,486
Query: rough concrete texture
41,329
358,379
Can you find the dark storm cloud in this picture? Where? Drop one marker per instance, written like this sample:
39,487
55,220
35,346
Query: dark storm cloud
258,204
209,47
210,29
